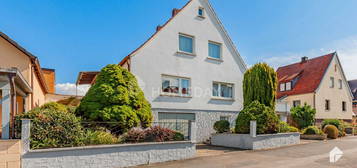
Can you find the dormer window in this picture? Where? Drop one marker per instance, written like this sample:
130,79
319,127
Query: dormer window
201,12
288,86
282,87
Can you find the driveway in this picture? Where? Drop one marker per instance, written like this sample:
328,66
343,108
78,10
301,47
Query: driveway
308,155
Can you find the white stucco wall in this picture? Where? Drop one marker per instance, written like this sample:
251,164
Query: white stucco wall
159,57
335,94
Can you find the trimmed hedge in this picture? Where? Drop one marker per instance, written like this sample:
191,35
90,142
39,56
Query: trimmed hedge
221,126
312,130
331,131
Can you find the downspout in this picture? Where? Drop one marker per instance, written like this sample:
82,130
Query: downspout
13,103
32,71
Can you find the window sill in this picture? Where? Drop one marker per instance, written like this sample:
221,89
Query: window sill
175,95
224,99
202,17
215,59
185,53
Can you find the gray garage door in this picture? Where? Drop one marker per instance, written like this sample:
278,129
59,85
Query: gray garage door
177,121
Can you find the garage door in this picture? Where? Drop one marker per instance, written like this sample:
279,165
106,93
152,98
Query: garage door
176,121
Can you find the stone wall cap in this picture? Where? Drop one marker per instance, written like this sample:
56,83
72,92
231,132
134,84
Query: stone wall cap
108,146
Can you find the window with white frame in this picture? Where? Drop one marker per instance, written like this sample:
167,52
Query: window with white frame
186,43
282,87
288,86
214,50
176,85
332,82
222,90
340,84
296,103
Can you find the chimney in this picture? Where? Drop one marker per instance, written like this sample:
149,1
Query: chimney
158,28
304,59
175,12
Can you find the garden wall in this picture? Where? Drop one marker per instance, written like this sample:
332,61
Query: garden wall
246,141
109,156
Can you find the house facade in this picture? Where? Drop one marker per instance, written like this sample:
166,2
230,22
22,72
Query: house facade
353,86
319,82
189,70
23,83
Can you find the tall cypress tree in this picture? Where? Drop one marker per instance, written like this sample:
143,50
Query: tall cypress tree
260,84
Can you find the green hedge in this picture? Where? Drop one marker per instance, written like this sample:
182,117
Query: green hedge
303,116
221,126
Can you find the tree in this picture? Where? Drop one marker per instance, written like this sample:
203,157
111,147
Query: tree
304,116
260,83
116,97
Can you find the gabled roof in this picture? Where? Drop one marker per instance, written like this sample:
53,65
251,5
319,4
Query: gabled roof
34,60
353,86
309,73
176,12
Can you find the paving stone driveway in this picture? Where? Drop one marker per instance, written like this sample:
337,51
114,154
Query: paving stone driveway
309,155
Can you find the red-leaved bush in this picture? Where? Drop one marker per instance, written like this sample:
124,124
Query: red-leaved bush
152,134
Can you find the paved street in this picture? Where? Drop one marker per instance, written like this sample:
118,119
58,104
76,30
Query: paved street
309,155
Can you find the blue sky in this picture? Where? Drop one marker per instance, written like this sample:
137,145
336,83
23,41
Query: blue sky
84,35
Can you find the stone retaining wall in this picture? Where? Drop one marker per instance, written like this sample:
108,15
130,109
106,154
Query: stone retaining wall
109,156
246,141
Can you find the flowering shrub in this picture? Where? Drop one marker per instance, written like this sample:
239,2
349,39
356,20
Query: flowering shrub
152,134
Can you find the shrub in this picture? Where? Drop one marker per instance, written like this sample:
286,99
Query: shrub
99,137
331,131
53,126
334,122
259,84
221,126
178,136
159,134
266,118
284,127
303,116
116,97
312,130
293,129
134,135
152,134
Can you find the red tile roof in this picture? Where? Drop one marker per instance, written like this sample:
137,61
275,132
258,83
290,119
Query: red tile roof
309,73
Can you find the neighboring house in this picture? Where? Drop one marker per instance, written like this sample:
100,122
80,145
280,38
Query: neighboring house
23,83
319,82
353,86
189,69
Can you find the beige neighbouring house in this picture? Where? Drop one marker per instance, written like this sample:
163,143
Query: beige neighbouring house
319,82
24,85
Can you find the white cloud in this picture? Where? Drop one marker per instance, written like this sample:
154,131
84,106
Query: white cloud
346,49
70,89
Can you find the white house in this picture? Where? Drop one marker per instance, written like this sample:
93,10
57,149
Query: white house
189,69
